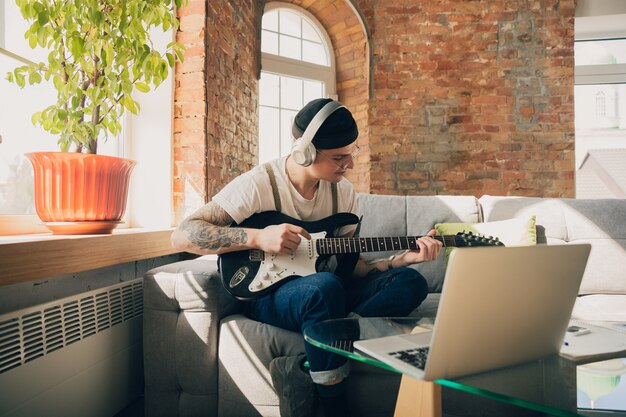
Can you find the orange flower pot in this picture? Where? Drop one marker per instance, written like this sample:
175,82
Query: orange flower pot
80,193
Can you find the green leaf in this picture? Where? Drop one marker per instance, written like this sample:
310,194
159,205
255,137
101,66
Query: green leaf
20,80
36,118
130,104
96,16
170,59
43,17
76,46
58,83
179,55
143,87
34,78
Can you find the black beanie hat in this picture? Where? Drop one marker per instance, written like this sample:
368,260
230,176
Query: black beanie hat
337,131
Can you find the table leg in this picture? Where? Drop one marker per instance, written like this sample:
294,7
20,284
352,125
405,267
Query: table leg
418,398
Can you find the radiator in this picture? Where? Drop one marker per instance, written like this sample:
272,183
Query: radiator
78,356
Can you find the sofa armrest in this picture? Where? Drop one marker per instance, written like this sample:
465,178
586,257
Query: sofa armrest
183,305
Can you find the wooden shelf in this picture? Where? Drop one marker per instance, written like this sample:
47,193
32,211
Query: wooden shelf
31,257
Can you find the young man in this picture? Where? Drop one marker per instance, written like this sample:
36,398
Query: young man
305,192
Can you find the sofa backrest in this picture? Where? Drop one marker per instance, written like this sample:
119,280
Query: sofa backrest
411,216
600,222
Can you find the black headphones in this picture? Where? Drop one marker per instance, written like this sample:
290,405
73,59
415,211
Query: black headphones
303,151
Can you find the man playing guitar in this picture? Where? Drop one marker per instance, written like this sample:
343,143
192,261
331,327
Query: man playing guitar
309,185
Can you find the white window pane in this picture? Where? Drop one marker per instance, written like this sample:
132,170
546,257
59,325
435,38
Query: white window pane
269,42
290,47
290,93
312,90
600,108
309,32
269,134
113,144
600,140
270,21
314,53
286,137
268,89
290,23
18,136
600,52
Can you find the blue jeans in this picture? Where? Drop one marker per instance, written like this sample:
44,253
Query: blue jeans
305,301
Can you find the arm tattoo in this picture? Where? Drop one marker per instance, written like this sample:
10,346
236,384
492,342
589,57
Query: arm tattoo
209,228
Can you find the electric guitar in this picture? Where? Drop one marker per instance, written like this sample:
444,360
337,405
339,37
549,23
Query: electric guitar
251,274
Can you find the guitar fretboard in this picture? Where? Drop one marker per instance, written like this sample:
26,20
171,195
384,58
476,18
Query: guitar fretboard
339,245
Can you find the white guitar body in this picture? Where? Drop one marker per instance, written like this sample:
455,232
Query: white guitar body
276,267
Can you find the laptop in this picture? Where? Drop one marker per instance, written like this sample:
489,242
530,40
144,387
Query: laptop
499,306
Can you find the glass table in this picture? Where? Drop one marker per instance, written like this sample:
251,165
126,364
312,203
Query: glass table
553,385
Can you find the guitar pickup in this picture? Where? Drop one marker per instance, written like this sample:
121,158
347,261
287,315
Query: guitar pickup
256,255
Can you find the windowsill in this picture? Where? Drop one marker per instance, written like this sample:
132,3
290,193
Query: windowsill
31,257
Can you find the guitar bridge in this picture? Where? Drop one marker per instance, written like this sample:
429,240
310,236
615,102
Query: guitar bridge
256,255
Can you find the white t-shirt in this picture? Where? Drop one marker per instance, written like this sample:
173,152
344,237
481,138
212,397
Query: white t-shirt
251,193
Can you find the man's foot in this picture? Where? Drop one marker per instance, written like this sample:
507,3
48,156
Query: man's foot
296,393
333,399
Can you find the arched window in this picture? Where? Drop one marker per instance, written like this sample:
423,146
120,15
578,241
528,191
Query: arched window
600,104
297,66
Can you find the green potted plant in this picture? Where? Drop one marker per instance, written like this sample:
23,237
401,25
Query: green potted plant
100,52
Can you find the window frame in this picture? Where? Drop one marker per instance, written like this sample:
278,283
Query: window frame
590,27
289,67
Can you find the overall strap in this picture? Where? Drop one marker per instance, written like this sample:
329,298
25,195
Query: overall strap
333,189
270,172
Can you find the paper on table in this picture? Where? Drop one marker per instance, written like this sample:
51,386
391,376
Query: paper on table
600,342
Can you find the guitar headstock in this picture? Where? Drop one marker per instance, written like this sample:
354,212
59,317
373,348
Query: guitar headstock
470,239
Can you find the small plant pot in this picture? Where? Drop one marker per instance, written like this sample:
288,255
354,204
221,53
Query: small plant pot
80,193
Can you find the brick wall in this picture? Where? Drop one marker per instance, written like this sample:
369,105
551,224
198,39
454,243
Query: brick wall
451,97
472,97
216,98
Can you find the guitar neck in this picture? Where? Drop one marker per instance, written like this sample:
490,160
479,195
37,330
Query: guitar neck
338,245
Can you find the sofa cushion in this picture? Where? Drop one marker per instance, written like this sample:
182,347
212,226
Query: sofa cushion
423,212
600,307
383,215
512,232
414,216
246,348
183,302
599,222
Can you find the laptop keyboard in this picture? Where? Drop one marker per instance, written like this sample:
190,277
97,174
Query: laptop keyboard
416,357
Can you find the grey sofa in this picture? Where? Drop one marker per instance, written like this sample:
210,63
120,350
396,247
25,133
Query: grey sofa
202,357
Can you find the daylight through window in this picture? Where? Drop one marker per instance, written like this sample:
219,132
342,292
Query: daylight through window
297,67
